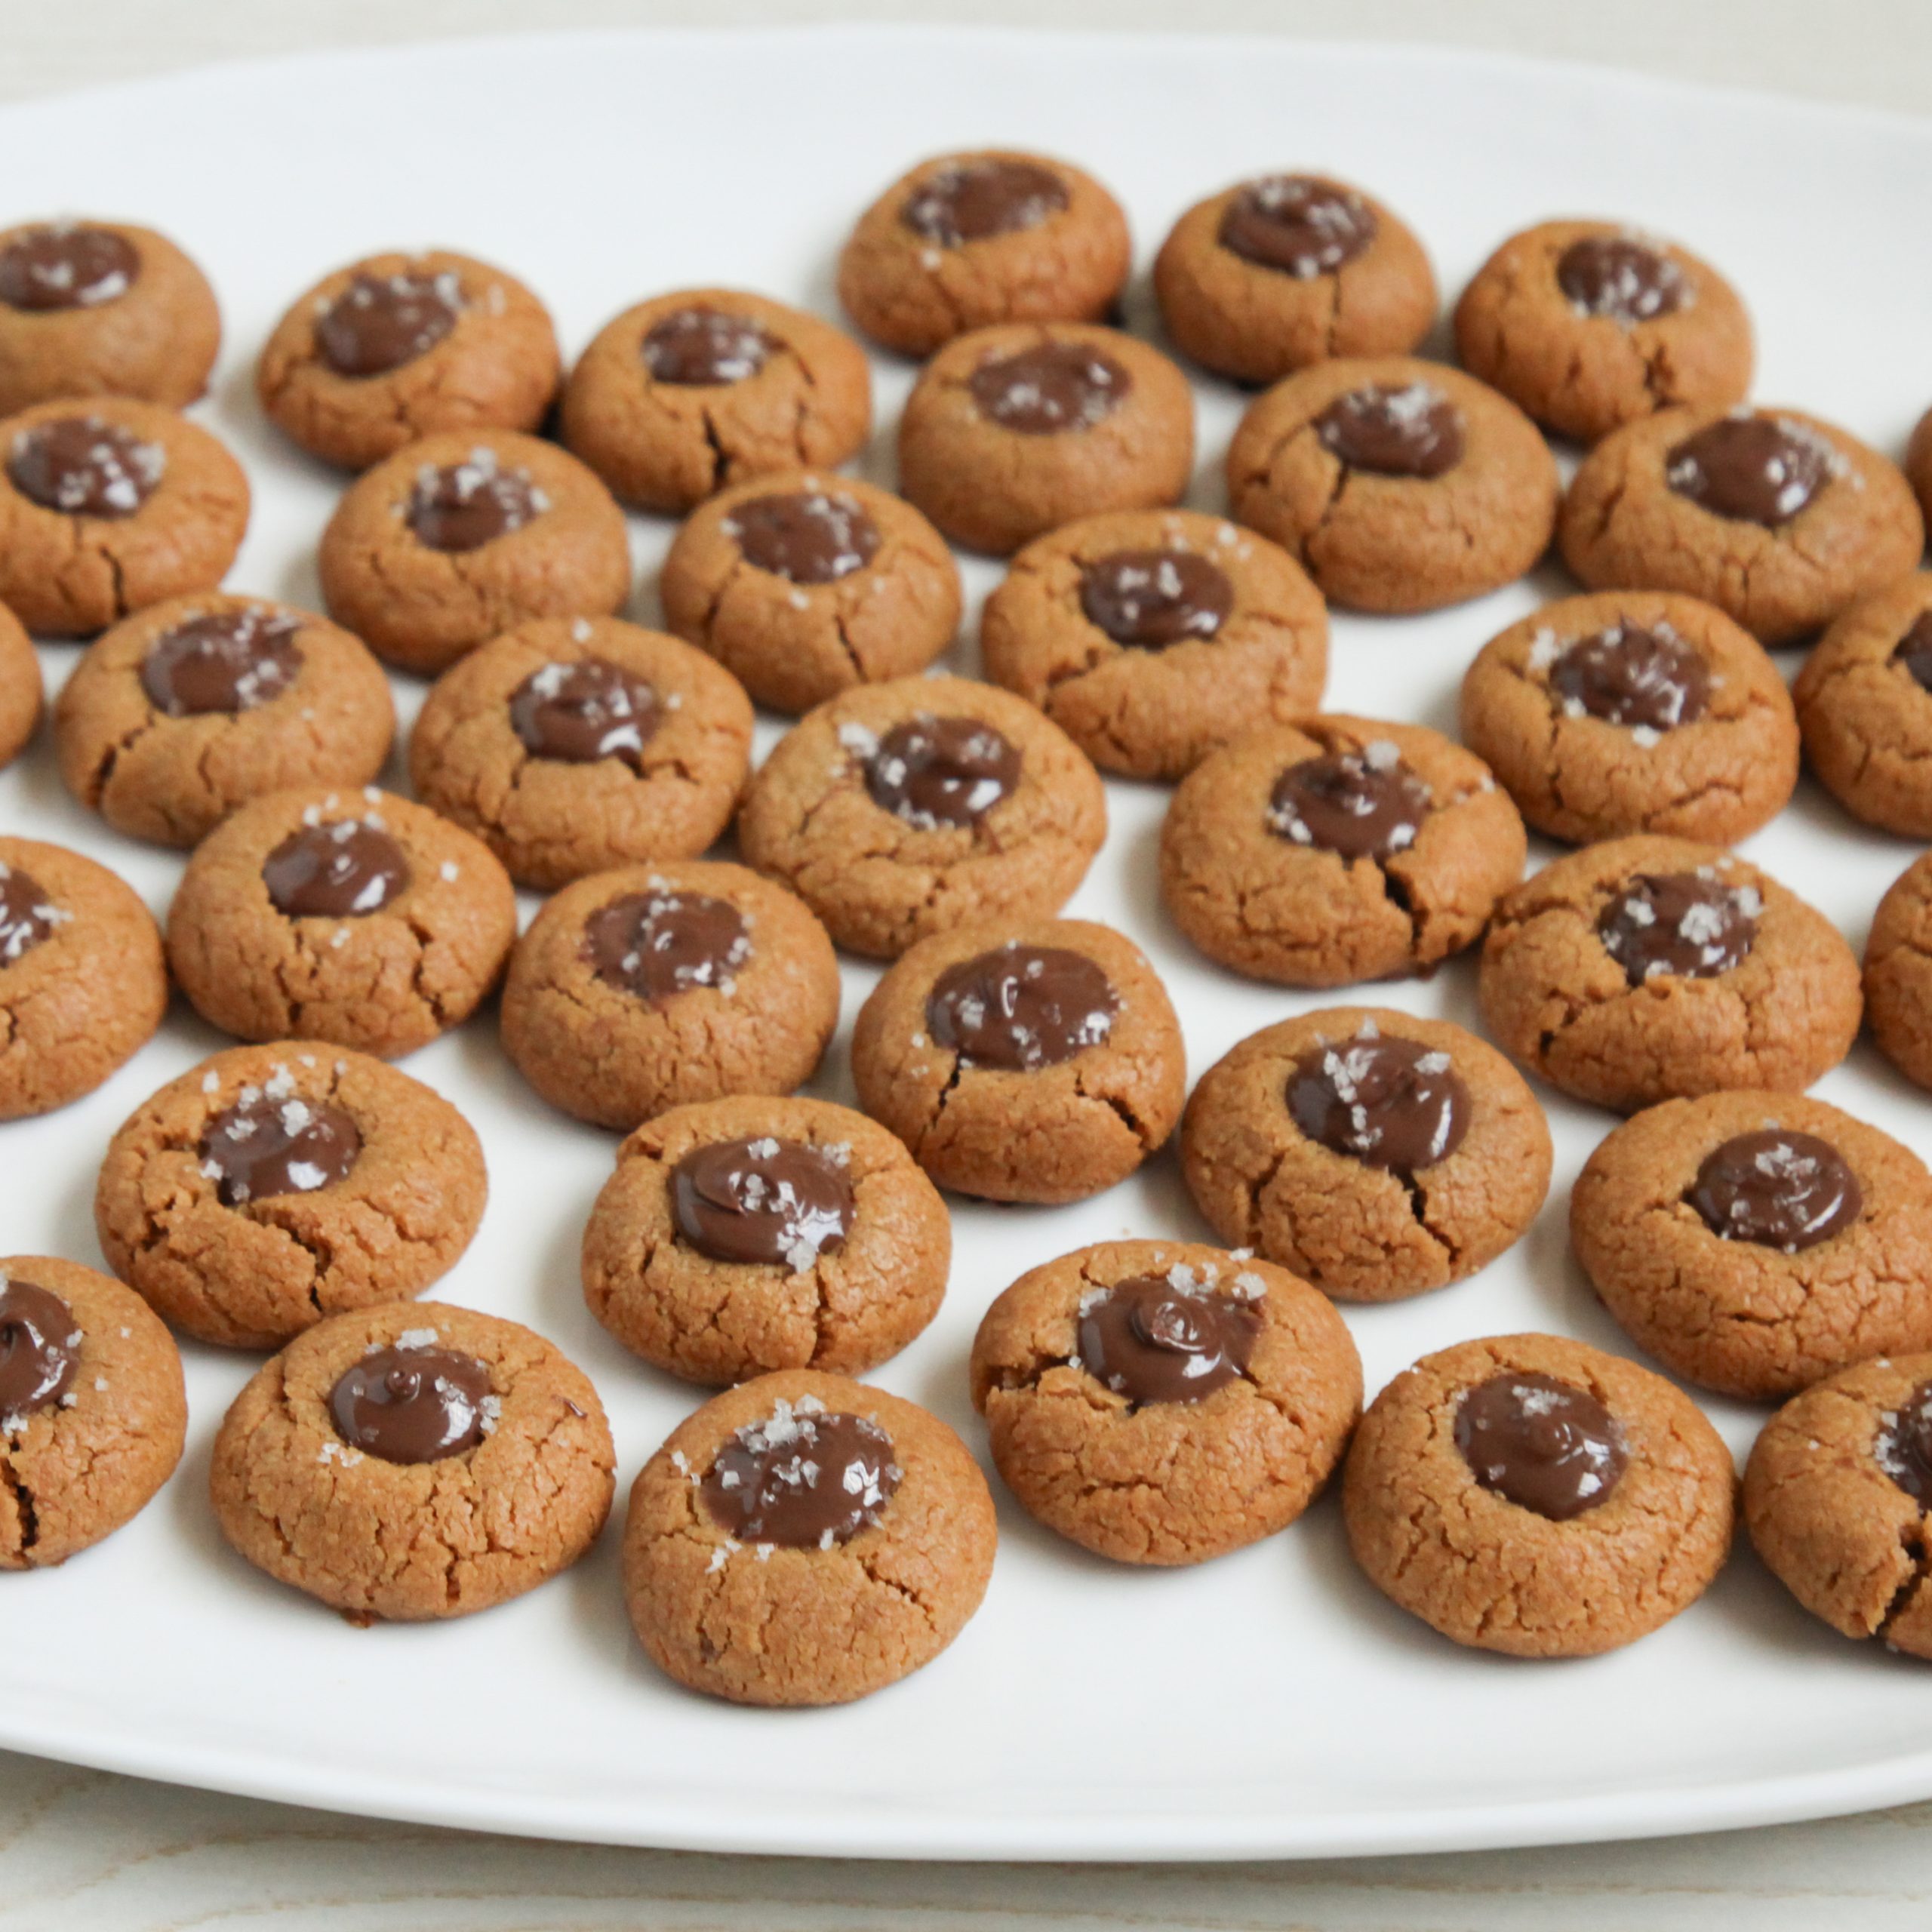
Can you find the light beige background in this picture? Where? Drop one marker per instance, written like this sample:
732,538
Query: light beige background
80,1852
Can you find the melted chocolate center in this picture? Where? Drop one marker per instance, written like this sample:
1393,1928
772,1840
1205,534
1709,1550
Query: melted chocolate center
263,1145
942,772
27,915
1914,651
803,1478
656,945
226,661
804,535
1297,224
40,1350
699,349
464,506
1149,599
1628,674
379,322
1018,1008
1387,1103
342,869
1620,280
1750,469
580,712
762,1201
407,1405
1903,1446
971,201
1689,924
1412,431
84,466
47,269
1545,1445
1165,1338
1777,1188
1051,387
1364,804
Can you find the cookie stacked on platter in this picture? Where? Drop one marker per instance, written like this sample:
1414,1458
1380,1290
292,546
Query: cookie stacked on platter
804,1537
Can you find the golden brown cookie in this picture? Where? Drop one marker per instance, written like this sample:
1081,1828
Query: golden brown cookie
744,1235
83,982
463,535
1011,431
92,1409
1590,324
192,707
102,308
21,696
1534,1495
1778,519
1274,273
1864,698
689,391
803,586
965,241
1337,849
1150,637
414,1462
1164,1402
1374,1153
1837,1494
902,810
747,1579
1898,973
272,1186
1647,969
398,346
1023,1060
657,986
572,745
1754,1242
1399,484
355,917
1633,711
109,505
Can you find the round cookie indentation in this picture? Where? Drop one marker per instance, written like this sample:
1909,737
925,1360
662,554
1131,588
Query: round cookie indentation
932,772
704,349
1541,1444
40,1347
1646,678
760,1200
805,536
1035,1061
1297,224
67,266
1150,599
1751,469
1903,1446
1376,1155
1164,1403
336,868
1754,1243
413,1404
1049,388
85,466
223,661
1622,278
657,944
379,322
460,506
582,712
260,1147
1605,1509
1642,969
1412,431
777,1615
27,915
972,201
1364,804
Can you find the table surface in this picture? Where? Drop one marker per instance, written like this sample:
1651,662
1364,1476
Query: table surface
110,1853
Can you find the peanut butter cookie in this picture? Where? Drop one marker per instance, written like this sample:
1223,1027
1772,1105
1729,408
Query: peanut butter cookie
22,695
1898,973
1162,1402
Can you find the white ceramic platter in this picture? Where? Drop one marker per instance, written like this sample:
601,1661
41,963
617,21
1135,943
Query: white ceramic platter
1270,1704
